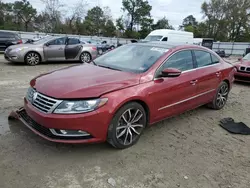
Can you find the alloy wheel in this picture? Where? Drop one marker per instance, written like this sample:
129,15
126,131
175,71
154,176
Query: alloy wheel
222,95
130,126
85,57
33,58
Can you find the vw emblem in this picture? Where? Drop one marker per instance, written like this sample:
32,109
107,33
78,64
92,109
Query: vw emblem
34,96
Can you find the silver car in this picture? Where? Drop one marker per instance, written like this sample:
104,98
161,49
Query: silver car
51,49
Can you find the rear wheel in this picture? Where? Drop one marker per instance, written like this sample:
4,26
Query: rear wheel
127,126
85,57
32,58
221,96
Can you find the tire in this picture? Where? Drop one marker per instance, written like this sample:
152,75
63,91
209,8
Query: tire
112,47
127,126
221,97
85,57
32,58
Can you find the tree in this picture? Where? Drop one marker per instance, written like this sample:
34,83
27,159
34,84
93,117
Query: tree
137,10
94,21
109,29
162,24
53,11
24,10
189,20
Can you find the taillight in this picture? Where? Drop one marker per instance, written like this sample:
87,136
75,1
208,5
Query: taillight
94,48
19,42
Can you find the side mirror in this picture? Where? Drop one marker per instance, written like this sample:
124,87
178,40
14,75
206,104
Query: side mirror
240,59
170,72
46,44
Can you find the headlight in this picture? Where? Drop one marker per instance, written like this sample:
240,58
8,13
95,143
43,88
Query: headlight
76,107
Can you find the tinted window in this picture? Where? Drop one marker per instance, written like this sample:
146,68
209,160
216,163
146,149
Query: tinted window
203,58
214,59
7,35
72,41
181,60
59,41
165,39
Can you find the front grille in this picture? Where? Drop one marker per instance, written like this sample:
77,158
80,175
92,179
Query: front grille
45,131
242,78
42,102
244,69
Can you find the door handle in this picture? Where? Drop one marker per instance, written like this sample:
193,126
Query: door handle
193,82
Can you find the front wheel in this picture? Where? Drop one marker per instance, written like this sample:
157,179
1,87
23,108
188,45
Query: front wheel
127,126
221,96
32,58
85,57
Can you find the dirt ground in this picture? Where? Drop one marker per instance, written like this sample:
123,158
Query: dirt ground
188,151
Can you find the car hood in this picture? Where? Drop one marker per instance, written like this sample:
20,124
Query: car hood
83,81
245,62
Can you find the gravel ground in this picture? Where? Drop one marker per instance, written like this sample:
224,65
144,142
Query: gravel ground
187,151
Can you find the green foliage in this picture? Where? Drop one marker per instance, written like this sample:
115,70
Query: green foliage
162,24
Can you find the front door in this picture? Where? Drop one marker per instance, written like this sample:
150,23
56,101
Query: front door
172,96
54,50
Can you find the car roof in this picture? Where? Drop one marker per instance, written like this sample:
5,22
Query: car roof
168,45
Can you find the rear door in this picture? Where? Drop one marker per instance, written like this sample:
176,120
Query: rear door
172,96
208,75
54,49
73,48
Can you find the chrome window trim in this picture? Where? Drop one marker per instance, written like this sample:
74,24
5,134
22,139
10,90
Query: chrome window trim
197,68
185,100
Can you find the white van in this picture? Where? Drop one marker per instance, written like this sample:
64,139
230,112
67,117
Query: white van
171,36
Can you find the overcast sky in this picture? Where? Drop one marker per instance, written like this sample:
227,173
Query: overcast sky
174,10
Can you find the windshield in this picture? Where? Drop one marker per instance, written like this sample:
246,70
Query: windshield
153,37
247,57
43,40
131,58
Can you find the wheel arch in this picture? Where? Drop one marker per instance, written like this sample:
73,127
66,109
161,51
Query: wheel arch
141,102
227,81
85,51
40,56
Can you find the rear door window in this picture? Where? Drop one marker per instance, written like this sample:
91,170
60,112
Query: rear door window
73,41
165,39
203,58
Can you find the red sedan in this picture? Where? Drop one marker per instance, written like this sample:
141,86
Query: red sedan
243,69
116,96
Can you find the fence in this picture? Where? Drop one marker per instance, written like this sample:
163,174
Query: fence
231,48
32,35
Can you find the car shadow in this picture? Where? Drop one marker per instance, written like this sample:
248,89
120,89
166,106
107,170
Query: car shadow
242,83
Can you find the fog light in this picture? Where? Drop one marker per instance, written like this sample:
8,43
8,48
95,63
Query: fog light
69,133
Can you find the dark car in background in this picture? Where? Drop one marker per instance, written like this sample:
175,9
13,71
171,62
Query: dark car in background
102,46
7,39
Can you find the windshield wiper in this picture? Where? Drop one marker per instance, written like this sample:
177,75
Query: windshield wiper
109,67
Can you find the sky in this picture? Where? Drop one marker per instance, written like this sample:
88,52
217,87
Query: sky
174,10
